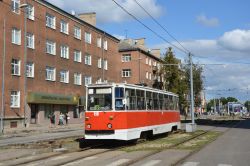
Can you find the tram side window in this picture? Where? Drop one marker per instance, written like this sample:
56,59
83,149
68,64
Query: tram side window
140,94
131,99
149,100
156,101
171,102
166,102
161,101
119,95
177,103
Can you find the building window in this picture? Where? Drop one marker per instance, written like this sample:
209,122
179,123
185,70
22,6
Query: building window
88,80
87,59
154,64
30,69
150,77
15,99
77,32
50,21
146,75
30,12
16,36
15,4
65,51
126,73
77,79
105,64
64,76
149,62
146,60
50,73
105,45
88,37
126,57
50,47
15,67
64,27
30,40
77,56
99,64
99,81
99,42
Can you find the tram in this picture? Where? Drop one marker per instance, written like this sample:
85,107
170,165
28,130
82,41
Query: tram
121,111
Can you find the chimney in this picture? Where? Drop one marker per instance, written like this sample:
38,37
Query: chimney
88,17
156,52
140,42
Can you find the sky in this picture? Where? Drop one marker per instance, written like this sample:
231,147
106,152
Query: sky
216,32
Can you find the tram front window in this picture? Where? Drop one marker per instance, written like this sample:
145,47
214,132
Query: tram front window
100,99
119,97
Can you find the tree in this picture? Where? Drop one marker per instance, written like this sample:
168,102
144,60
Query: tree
247,104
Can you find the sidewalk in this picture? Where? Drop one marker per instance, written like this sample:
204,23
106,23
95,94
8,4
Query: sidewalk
39,133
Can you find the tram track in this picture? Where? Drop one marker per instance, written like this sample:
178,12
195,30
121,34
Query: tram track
79,155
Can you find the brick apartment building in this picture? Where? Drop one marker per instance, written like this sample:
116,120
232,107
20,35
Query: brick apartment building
140,65
64,53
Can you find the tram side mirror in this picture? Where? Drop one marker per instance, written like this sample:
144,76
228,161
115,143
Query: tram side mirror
124,101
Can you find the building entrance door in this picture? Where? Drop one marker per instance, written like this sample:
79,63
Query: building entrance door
34,114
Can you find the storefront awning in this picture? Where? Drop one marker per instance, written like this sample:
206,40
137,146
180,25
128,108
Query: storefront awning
46,98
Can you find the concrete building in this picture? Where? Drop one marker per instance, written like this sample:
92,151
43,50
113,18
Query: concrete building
63,54
140,65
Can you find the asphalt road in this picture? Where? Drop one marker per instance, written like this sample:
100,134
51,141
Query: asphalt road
230,149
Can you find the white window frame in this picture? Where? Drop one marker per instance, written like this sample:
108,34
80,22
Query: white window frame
146,75
50,73
150,76
64,27
77,56
88,37
15,99
99,42
50,21
105,64
30,12
77,32
15,6
126,72
149,62
126,58
146,60
16,36
88,59
15,67
64,76
50,47
105,45
30,69
87,80
99,63
30,40
65,51
77,78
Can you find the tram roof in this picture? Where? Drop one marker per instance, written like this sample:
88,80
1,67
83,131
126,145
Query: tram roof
131,86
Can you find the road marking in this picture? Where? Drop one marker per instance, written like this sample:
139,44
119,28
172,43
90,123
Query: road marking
191,164
118,162
224,165
58,158
151,163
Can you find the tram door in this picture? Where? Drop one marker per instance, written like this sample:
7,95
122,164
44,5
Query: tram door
34,114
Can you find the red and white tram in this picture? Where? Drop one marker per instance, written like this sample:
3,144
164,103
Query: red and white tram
126,112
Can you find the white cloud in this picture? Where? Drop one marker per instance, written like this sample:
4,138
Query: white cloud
236,40
209,22
231,49
108,11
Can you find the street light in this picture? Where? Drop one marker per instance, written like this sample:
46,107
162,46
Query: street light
3,64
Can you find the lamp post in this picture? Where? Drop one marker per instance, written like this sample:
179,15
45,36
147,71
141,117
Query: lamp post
3,65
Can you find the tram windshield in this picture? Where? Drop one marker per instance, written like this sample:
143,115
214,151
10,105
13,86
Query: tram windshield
99,99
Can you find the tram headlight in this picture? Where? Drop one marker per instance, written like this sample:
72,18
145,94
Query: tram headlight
111,117
109,125
88,126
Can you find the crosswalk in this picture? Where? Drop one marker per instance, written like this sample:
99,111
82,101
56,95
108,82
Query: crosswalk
198,164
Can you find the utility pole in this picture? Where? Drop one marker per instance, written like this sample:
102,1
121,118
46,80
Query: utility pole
191,127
